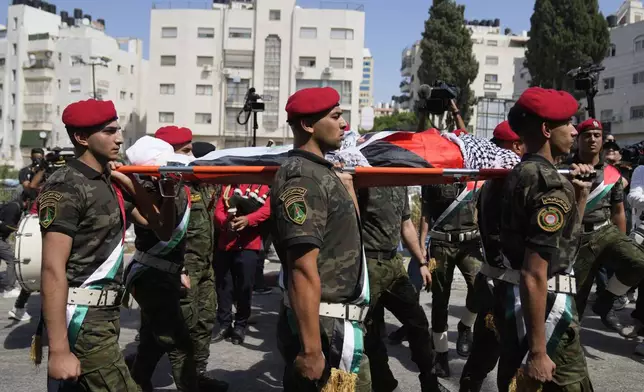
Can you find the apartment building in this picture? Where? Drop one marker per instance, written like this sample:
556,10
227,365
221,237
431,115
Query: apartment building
203,62
366,86
497,53
45,64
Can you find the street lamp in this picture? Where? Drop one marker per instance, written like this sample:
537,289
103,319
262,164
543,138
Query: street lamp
94,62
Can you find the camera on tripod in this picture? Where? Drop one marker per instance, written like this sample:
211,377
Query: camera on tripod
586,77
436,99
252,103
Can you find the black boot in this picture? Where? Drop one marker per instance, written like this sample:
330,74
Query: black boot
129,362
398,336
468,385
603,307
429,383
224,333
464,341
441,365
211,384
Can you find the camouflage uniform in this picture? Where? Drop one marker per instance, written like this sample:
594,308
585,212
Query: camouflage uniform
485,347
158,293
462,249
382,211
311,206
81,203
602,244
539,212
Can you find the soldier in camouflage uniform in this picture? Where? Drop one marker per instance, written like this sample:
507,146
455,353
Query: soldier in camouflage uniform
485,345
604,241
540,215
386,217
317,237
83,221
454,242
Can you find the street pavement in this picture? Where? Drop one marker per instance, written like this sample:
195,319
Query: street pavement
257,366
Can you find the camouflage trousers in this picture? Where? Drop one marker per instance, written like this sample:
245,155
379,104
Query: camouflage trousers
289,345
571,374
612,249
163,330
391,288
198,307
103,368
467,257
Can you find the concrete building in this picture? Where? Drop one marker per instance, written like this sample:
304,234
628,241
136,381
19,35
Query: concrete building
497,53
631,11
366,86
203,61
44,66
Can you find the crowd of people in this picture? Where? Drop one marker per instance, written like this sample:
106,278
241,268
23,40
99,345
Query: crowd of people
530,246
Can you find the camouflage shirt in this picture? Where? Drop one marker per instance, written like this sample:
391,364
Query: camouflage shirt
311,206
199,245
146,238
80,202
539,212
600,212
488,212
382,211
437,198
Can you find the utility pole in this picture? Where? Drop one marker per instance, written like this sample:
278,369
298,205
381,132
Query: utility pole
94,62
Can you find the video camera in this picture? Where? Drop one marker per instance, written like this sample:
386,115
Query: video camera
586,77
252,103
56,158
435,99
634,154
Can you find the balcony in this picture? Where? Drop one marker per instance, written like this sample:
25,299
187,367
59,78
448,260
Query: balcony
46,98
405,68
37,125
492,86
41,43
39,69
405,87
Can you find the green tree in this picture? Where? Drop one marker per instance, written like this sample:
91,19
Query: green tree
564,34
447,52
398,120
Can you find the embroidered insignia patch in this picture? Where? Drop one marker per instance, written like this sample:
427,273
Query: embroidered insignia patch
195,197
295,205
47,207
550,219
559,202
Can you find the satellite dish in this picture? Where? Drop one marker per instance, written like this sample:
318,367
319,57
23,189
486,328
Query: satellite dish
43,135
367,116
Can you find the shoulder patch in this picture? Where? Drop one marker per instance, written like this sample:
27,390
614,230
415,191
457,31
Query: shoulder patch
550,219
294,204
557,201
195,197
47,207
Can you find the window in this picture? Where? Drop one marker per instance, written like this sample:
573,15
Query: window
75,85
366,76
272,61
60,57
131,70
609,83
119,69
58,84
168,32
15,23
123,95
236,92
274,15
168,61
203,118
13,75
205,32
75,60
240,32
606,115
612,49
342,34
166,117
238,59
205,60
341,62
13,99
492,60
2,61
637,112
308,32
204,89
232,126
492,42
364,88
131,95
367,63
13,125
639,44
491,78
489,94
166,89
307,62
343,87
14,49
638,77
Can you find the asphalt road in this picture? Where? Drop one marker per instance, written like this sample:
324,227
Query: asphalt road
257,365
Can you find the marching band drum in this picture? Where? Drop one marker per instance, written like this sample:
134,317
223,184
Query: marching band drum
28,253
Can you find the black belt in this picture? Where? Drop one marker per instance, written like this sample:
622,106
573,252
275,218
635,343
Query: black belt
381,255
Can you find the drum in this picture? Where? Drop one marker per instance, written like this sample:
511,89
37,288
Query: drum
29,253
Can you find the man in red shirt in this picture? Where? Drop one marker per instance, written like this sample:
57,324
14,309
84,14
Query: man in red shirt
240,211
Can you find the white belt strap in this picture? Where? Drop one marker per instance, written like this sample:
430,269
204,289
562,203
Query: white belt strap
340,311
460,237
156,262
559,283
94,298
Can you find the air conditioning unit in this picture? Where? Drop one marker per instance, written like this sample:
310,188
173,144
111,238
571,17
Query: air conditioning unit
207,68
299,69
226,71
328,70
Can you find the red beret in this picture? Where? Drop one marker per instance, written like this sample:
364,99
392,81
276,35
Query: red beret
460,132
311,101
504,132
552,105
90,113
589,124
174,135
